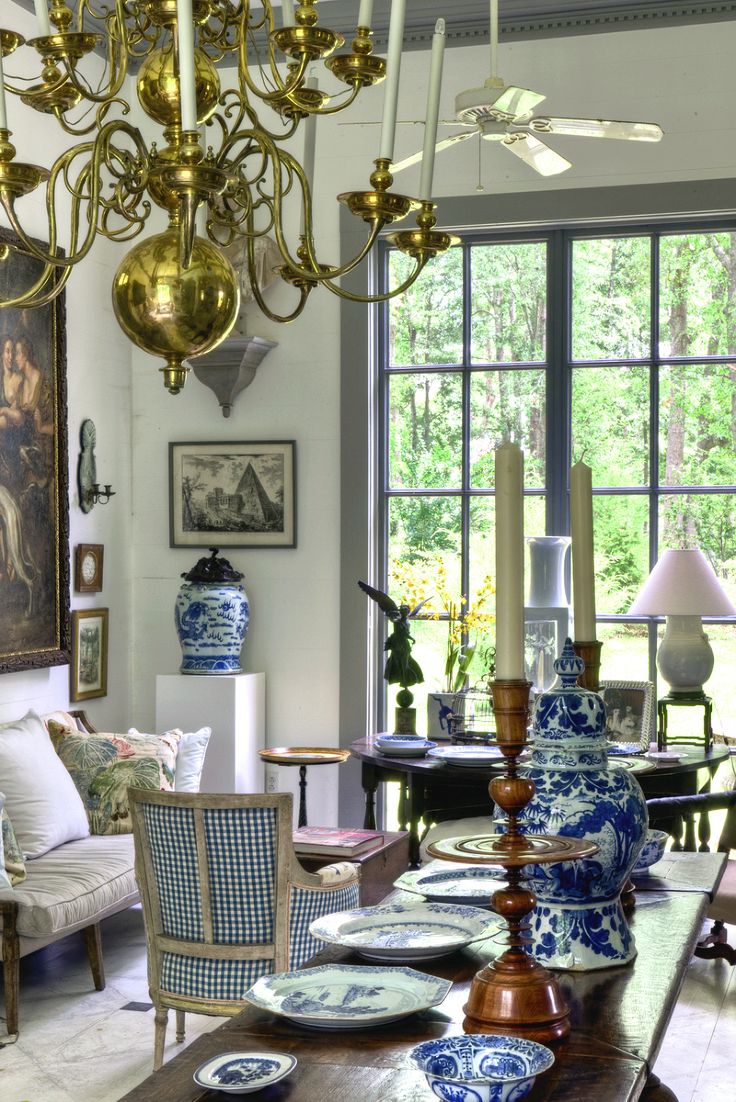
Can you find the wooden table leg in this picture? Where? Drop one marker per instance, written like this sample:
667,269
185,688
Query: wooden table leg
369,781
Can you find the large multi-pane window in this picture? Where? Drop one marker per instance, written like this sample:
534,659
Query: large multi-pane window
615,347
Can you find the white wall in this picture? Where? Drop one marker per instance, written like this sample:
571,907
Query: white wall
682,78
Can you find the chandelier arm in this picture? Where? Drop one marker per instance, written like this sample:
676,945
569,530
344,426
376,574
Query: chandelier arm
342,293
35,295
117,59
354,92
304,291
283,90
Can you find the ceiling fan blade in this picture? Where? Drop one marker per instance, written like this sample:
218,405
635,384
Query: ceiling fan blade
444,144
515,102
536,154
598,128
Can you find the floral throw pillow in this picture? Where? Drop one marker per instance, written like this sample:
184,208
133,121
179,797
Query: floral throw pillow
103,766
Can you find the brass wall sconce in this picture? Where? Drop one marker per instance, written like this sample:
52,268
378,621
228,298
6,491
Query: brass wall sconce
91,492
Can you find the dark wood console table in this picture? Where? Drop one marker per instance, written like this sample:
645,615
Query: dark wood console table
432,790
619,1017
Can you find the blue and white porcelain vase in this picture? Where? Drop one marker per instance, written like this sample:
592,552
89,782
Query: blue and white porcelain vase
212,615
578,922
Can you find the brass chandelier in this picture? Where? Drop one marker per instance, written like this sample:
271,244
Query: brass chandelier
176,294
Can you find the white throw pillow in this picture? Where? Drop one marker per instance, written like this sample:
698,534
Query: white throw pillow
40,796
190,759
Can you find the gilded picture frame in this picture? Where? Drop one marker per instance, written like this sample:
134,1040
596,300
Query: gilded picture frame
88,668
34,504
232,494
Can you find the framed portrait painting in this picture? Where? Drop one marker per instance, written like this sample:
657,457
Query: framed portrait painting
238,494
88,670
34,510
630,707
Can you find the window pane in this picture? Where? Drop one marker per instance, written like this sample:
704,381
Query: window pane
422,530
621,530
625,653
707,521
508,302
425,430
697,428
483,537
610,423
720,686
610,298
697,277
507,405
426,322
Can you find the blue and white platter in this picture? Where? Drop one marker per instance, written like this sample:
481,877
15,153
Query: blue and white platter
244,1072
347,996
405,931
474,757
404,746
472,885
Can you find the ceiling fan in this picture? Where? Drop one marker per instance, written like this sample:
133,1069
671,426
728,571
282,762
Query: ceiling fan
502,113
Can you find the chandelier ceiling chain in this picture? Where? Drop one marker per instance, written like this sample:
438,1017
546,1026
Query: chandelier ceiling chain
176,294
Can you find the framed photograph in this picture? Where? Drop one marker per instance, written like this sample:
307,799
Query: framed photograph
88,559
239,494
34,508
88,670
630,708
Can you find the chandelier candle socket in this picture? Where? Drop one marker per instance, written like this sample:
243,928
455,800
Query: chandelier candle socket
175,293
509,562
583,569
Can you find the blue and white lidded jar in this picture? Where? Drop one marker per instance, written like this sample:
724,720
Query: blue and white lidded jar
578,922
212,615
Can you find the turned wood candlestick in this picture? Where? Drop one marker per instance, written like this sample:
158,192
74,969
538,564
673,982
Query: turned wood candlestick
591,655
514,993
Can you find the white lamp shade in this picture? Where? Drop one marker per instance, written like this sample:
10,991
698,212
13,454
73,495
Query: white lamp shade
683,583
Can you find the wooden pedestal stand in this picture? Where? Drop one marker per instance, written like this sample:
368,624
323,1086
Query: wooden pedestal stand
514,993
591,656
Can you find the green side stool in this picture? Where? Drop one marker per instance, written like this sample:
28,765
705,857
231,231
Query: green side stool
684,700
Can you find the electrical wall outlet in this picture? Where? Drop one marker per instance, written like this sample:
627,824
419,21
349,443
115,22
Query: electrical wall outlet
272,778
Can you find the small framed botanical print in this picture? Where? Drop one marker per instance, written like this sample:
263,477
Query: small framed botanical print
88,671
88,558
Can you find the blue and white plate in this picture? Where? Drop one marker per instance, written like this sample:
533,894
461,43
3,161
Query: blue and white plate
243,1072
404,746
624,749
473,756
347,996
472,885
405,931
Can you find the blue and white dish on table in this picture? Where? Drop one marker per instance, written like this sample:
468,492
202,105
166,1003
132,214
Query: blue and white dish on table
481,1067
652,850
404,746
405,931
472,756
347,996
244,1072
472,885
623,749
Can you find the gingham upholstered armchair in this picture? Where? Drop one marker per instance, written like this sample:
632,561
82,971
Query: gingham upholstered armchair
224,899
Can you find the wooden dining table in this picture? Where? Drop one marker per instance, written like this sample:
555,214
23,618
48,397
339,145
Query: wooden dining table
619,1017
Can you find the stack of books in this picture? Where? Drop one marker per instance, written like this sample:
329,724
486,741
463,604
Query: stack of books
335,841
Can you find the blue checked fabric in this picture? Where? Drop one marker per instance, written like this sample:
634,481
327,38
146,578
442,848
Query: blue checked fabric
241,849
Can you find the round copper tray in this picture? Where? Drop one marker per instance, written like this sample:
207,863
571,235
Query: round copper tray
487,849
304,755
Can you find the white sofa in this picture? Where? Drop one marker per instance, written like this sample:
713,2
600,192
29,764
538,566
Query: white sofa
70,888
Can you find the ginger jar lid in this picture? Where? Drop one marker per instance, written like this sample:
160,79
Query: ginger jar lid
569,713
213,569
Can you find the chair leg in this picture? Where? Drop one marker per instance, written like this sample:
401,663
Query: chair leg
11,967
180,1025
93,945
162,1017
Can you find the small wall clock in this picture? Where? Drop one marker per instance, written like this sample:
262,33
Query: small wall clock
88,567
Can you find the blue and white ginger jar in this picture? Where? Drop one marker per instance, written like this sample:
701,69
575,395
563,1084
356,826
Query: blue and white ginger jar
578,922
212,615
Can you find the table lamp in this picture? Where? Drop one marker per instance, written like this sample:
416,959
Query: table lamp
683,587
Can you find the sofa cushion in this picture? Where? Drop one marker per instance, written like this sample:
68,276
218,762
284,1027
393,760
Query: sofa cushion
102,766
12,860
74,885
190,759
40,796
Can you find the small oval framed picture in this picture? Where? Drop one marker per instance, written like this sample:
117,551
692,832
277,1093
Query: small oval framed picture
88,559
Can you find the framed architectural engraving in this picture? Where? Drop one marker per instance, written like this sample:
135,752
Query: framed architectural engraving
236,494
88,670
34,507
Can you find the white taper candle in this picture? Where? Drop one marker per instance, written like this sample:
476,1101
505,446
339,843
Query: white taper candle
433,110
187,89
288,18
42,16
509,562
310,140
365,13
393,72
583,569
3,109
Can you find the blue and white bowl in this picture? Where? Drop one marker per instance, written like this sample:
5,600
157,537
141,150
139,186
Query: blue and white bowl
481,1067
244,1072
652,850
404,746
